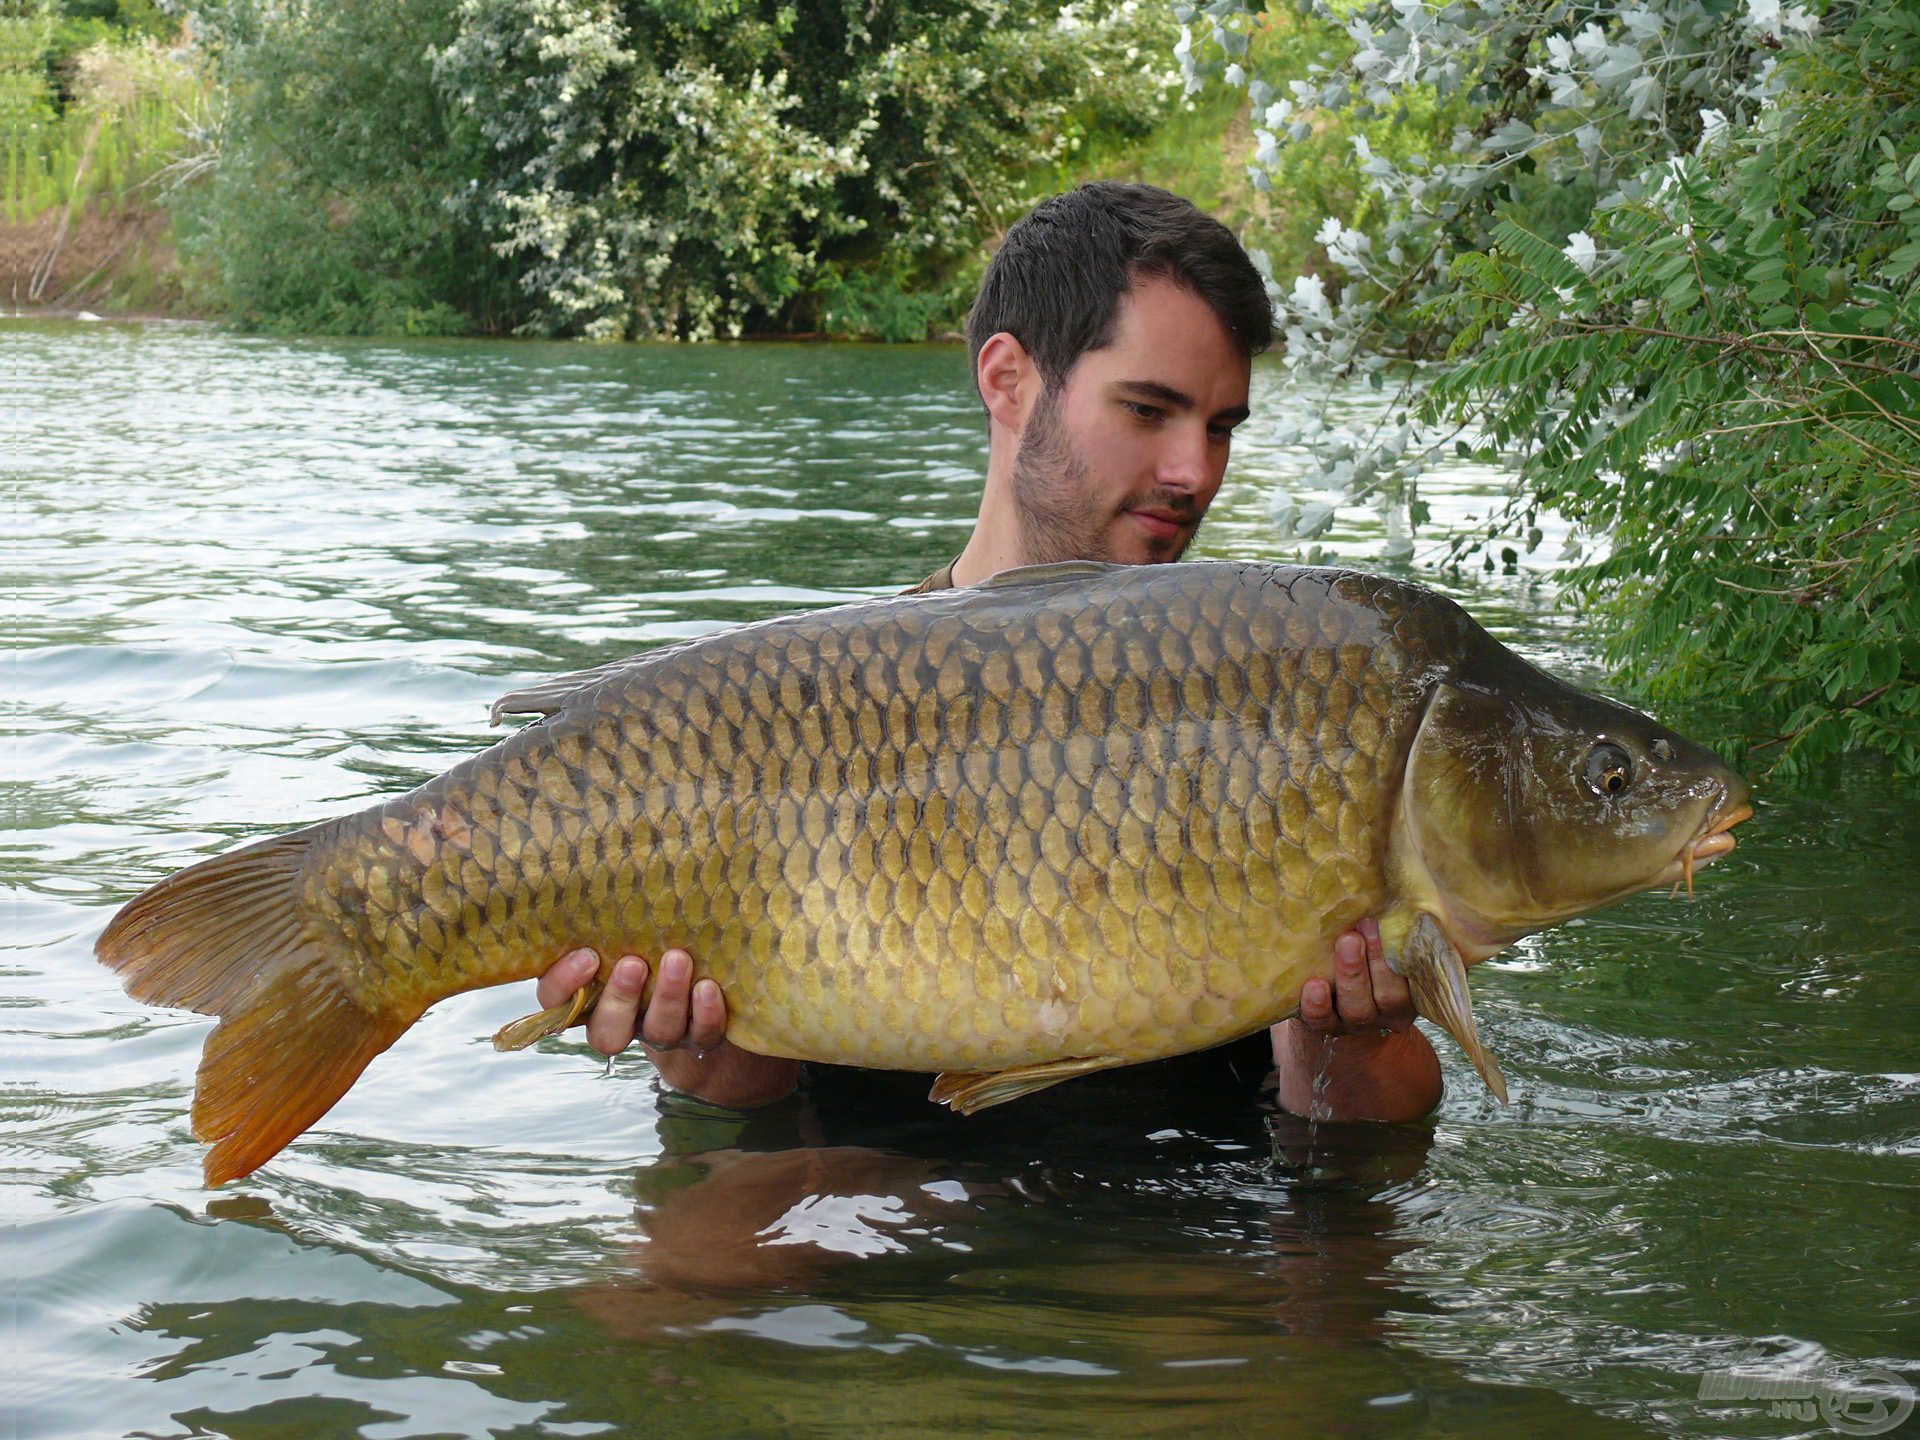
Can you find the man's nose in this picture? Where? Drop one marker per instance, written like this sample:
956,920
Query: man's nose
1187,461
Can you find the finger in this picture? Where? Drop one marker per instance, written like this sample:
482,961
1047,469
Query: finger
708,1027
1391,997
566,975
1352,985
665,1024
610,1026
1316,1004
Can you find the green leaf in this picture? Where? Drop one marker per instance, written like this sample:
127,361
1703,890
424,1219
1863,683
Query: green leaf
1681,293
1766,240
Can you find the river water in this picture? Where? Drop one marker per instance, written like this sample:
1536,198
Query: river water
253,583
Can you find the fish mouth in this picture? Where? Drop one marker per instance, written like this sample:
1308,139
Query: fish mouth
1710,845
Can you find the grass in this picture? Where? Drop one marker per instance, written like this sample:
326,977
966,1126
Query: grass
81,201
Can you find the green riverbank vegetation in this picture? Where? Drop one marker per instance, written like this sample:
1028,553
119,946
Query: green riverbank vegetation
102,108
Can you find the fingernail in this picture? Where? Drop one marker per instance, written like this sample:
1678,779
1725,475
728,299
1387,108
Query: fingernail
677,966
707,990
628,977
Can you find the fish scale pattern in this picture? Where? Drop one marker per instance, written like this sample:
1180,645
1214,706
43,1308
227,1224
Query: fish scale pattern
1121,814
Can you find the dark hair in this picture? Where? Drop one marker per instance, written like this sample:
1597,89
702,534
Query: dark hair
1056,283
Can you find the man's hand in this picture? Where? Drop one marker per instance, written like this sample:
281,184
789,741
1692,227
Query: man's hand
684,1028
1359,1032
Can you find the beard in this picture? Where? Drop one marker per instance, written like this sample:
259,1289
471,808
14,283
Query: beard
1061,512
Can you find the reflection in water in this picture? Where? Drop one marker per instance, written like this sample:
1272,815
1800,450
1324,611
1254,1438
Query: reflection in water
256,583
810,1215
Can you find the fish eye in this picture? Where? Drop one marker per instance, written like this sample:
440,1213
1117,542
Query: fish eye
1609,769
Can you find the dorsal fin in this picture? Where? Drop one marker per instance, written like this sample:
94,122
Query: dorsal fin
1053,574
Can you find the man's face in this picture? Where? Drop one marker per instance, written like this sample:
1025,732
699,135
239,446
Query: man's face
1121,461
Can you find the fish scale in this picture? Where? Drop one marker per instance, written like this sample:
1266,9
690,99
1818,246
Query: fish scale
1078,817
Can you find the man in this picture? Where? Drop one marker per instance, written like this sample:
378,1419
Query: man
1112,343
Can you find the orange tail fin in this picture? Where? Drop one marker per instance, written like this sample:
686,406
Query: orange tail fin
226,937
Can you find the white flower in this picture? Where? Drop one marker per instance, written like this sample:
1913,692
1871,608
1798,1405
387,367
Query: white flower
1309,299
1764,16
1581,252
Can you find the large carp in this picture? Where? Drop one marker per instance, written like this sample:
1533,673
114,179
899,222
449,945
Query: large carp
1077,817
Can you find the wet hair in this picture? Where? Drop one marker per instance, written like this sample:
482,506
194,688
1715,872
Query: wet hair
1056,282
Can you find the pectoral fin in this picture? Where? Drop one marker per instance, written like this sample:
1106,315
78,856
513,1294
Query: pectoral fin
519,1034
1438,978
968,1091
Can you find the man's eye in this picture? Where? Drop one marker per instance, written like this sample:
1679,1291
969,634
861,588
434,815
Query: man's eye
1143,411
1220,432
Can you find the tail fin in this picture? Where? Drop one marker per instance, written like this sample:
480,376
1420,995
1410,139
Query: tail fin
226,937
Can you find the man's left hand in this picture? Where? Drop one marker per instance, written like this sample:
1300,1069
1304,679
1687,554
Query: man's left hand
1353,1053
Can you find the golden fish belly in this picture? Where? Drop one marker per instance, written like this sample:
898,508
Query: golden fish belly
962,831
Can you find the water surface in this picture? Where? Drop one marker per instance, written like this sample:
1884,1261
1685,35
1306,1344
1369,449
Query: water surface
253,583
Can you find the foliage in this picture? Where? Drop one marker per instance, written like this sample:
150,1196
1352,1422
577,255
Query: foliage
82,25
327,209
130,112
669,168
1204,147
1672,254
25,108
81,174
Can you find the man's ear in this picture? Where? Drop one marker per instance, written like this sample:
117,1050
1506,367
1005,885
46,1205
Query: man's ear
1009,381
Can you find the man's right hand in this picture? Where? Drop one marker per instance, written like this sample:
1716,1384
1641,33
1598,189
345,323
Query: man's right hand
684,1028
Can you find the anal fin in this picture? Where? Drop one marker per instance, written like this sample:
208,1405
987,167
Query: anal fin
1438,978
968,1091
